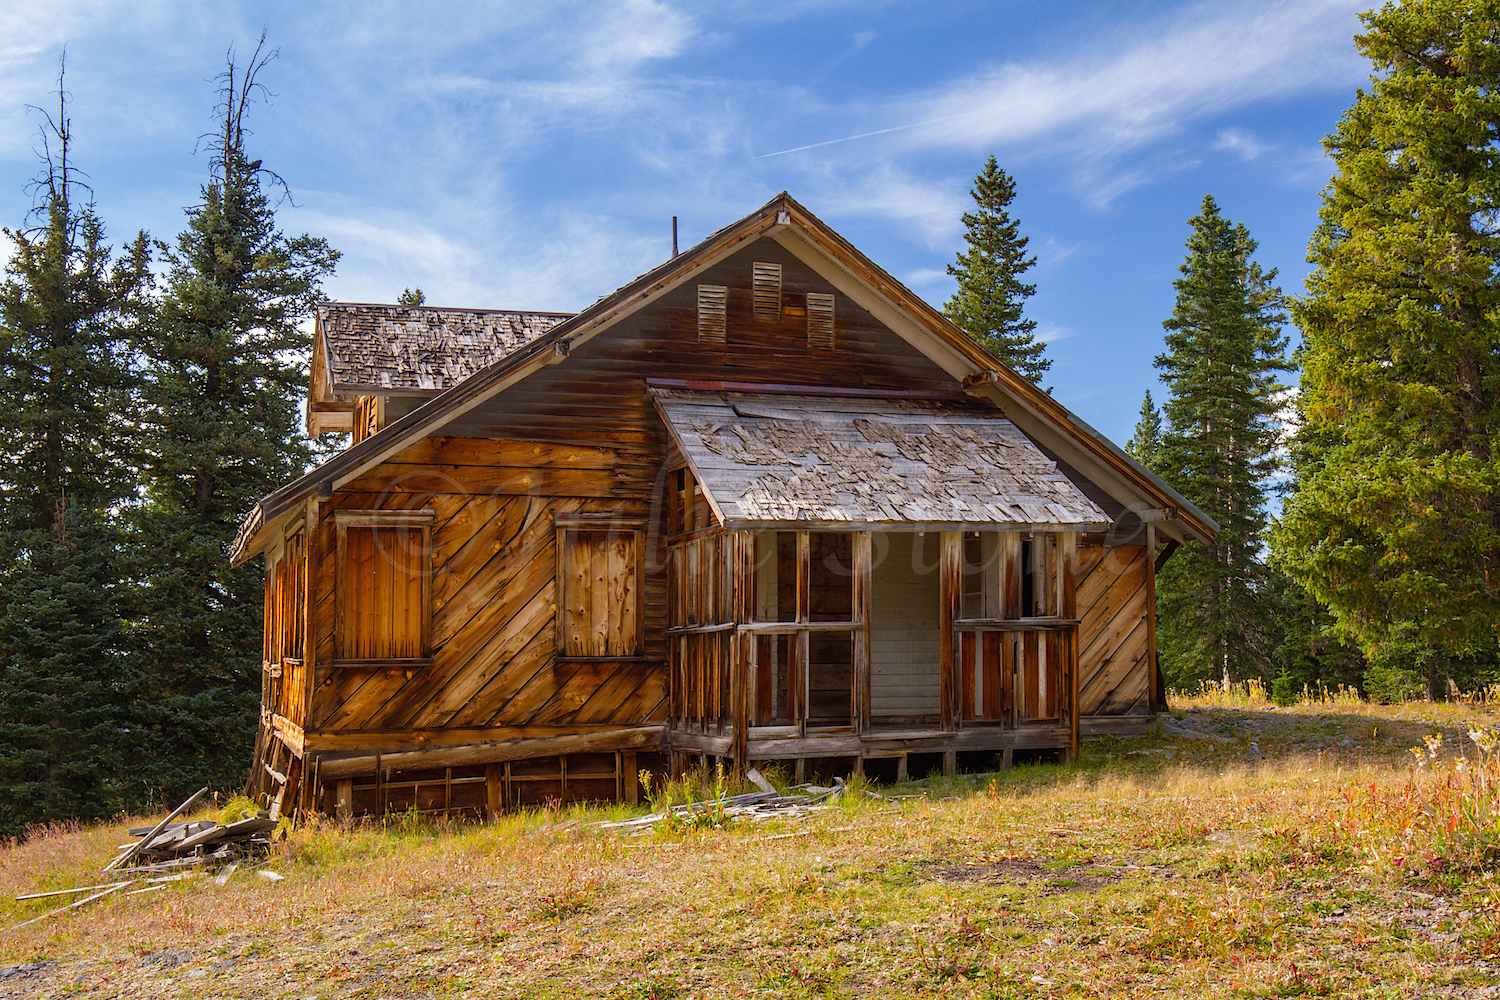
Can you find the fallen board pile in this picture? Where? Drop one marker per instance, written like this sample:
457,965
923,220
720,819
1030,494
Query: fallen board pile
169,852
198,842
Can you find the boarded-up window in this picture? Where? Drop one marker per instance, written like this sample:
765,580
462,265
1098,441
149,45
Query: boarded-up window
383,590
599,579
819,321
713,307
766,281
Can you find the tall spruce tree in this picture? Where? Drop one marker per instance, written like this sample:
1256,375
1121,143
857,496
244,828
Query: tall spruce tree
990,298
1224,350
226,371
67,318
1145,444
1395,524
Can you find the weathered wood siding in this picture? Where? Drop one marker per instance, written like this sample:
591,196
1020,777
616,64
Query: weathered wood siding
494,597
583,437
1114,668
597,396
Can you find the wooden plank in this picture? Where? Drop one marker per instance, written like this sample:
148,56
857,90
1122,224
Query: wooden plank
453,682
1010,544
1151,655
1029,671
492,753
994,675
950,594
568,697
604,704
863,563
1121,595
533,552
499,453
1125,661
488,706
1119,561
393,740
966,686
624,481
464,547
1067,560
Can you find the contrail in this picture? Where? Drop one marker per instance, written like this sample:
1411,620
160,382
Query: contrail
866,135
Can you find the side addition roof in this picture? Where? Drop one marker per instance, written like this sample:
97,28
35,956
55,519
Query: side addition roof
860,462
392,350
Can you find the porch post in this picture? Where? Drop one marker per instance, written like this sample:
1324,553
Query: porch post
741,666
950,568
862,584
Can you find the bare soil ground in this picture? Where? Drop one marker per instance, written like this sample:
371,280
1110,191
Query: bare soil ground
1239,852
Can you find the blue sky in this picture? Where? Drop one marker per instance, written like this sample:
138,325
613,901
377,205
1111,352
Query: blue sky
525,155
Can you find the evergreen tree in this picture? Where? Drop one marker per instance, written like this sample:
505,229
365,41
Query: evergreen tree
226,374
990,296
1145,444
66,324
1224,348
1396,520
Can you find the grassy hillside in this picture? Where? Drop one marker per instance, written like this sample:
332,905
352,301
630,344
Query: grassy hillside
1241,852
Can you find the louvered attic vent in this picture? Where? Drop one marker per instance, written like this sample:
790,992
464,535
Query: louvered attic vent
767,283
819,321
712,306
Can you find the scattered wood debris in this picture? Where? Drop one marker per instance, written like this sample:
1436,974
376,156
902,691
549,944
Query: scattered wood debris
800,801
169,852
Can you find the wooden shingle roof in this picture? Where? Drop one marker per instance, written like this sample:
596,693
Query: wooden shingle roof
419,349
850,461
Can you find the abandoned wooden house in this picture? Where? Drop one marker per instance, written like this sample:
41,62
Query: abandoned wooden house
760,504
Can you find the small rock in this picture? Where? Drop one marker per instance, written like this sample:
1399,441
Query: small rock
25,971
168,958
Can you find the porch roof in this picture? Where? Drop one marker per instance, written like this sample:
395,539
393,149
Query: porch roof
855,462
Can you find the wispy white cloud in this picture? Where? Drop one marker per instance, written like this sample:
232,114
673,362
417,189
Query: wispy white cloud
1124,88
1241,143
928,207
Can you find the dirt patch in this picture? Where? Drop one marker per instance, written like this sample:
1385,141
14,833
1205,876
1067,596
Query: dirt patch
1048,877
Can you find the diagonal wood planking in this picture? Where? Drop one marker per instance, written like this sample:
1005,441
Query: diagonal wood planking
494,598
1112,600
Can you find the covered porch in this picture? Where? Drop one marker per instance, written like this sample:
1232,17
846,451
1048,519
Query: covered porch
868,583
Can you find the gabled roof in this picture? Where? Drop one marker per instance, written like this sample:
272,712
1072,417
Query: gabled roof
1036,413
395,349
860,463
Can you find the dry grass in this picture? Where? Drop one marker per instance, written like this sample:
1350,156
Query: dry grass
1242,853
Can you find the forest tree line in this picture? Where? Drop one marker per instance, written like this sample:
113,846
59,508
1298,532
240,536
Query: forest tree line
151,398
1376,436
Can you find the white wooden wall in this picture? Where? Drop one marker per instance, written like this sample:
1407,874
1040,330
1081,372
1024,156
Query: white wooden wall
905,646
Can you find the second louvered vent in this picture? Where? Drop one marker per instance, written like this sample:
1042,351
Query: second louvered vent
713,303
767,281
819,321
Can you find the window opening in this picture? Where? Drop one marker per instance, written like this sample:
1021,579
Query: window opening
383,593
599,581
